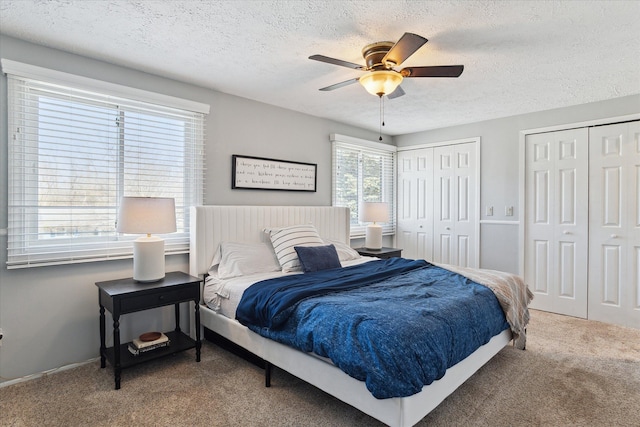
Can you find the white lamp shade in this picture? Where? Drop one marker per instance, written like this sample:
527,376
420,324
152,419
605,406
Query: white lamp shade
146,215
374,212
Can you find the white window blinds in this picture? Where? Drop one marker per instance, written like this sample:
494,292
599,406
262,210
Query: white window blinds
73,154
363,171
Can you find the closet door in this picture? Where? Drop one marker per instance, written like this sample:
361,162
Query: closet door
614,224
556,225
455,207
415,203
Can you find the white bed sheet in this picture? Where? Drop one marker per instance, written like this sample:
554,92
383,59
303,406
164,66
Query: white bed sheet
223,295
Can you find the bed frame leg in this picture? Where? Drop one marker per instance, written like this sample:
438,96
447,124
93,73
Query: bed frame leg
267,374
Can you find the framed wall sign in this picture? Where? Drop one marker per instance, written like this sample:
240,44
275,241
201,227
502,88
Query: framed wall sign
259,173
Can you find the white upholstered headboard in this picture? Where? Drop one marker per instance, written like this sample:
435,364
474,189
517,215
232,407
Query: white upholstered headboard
211,225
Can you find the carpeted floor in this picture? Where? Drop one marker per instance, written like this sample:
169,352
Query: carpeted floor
573,373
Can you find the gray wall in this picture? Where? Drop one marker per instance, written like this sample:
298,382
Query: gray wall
50,314
500,166
241,126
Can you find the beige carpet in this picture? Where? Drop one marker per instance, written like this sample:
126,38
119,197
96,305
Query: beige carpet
573,373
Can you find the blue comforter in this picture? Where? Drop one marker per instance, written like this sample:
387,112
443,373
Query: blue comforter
396,324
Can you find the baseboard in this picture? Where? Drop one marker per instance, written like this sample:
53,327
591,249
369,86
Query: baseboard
49,372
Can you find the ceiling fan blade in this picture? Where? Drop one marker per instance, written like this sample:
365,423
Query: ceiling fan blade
339,85
334,61
396,93
404,48
434,71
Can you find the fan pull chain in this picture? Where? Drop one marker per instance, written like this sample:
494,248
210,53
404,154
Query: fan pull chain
381,116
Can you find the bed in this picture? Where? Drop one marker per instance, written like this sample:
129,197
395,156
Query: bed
213,225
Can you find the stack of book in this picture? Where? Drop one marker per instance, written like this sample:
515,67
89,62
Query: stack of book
138,346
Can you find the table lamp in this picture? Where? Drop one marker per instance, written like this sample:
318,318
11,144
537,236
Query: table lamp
147,215
374,212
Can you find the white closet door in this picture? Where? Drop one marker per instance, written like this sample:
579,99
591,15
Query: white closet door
455,205
614,224
466,213
444,206
415,203
556,228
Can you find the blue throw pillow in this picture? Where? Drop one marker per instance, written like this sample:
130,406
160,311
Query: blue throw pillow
316,258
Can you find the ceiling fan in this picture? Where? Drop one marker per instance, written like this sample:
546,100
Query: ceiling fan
381,58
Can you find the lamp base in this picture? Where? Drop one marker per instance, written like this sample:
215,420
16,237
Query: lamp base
148,259
373,237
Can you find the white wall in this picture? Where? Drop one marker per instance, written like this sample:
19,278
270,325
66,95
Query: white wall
50,314
499,165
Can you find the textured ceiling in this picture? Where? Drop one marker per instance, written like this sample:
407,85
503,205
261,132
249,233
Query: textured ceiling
519,56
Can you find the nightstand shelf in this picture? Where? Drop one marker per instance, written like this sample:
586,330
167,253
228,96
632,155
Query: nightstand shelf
382,253
178,342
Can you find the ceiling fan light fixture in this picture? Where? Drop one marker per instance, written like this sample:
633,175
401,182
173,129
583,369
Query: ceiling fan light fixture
381,82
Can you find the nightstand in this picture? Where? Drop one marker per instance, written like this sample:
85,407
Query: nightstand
383,253
128,296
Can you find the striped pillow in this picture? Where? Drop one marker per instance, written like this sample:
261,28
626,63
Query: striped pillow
284,240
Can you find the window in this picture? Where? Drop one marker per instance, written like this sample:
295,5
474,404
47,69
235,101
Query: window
363,171
74,152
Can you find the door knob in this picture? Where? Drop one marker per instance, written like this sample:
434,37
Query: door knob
566,232
447,228
614,236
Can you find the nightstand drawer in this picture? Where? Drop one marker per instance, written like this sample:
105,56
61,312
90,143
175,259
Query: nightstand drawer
158,299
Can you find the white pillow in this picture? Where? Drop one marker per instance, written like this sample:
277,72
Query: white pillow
345,252
235,259
284,240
